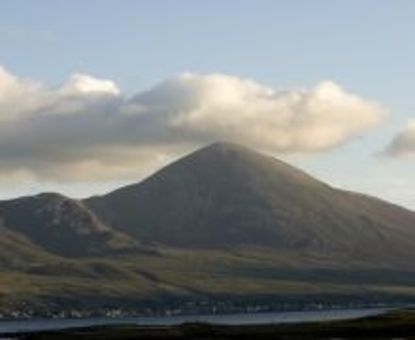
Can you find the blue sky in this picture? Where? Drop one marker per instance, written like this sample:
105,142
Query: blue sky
365,46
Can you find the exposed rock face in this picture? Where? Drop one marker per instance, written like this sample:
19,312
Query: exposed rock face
59,224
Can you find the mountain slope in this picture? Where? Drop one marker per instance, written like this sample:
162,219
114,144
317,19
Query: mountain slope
60,225
226,195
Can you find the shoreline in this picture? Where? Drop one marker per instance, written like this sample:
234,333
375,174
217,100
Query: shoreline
397,323
248,311
15,327
178,311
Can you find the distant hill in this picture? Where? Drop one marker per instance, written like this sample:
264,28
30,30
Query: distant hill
61,225
225,221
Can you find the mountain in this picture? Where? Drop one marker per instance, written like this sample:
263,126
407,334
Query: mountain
226,195
225,222
60,225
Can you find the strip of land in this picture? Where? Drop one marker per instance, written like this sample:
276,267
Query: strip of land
393,325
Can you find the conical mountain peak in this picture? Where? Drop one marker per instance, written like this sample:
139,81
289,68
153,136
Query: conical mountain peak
232,159
227,195
222,194
226,146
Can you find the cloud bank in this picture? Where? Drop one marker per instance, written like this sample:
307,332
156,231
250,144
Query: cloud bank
88,129
403,144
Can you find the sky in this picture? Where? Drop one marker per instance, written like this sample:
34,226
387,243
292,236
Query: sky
97,94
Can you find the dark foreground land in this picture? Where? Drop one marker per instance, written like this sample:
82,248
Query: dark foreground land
393,325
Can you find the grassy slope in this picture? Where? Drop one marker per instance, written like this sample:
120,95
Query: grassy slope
184,273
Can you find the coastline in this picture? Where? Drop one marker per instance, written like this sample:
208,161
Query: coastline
394,324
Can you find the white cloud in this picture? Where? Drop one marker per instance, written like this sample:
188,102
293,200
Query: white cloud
312,120
17,95
403,144
88,129
83,83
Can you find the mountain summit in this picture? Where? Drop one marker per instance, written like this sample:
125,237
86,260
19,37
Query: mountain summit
227,195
